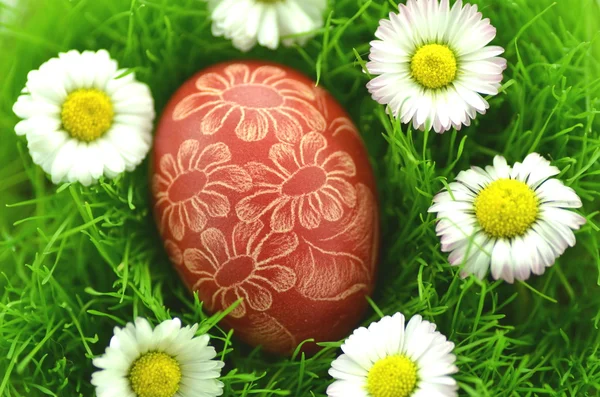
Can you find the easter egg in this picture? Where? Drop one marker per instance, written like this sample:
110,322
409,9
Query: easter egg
266,203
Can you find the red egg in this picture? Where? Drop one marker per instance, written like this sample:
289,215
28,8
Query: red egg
263,193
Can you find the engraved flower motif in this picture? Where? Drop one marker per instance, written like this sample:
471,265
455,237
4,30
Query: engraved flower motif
268,331
247,268
174,253
188,187
301,186
255,102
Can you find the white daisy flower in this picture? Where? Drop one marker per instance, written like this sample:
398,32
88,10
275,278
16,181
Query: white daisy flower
512,218
165,362
389,360
247,22
82,121
433,63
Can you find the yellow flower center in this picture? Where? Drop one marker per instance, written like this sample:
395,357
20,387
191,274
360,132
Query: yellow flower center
394,376
506,208
87,114
155,374
434,66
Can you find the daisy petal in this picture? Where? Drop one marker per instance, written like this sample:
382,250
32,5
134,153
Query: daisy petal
515,220
194,357
72,145
388,341
432,62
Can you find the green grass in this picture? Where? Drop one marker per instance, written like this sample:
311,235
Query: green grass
75,262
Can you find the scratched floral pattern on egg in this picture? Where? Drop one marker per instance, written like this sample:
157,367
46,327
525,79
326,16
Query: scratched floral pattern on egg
188,188
343,125
261,101
241,267
288,232
326,273
174,253
263,327
302,184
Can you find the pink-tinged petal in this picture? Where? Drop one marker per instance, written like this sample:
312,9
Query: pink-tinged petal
238,74
231,296
253,125
486,69
214,120
308,212
267,74
168,167
213,242
195,103
230,176
287,127
217,205
292,87
213,155
280,278
263,175
198,261
176,225
284,158
311,145
195,215
564,217
187,154
339,163
330,207
244,235
472,98
308,112
212,82
274,246
253,207
258,298
174,252
282,219
343,190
